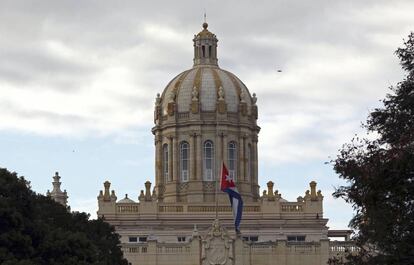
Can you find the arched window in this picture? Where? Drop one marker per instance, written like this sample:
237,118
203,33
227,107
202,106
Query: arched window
208,161
249,162
232,161
184,160
165,162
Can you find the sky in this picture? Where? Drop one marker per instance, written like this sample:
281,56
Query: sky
78,81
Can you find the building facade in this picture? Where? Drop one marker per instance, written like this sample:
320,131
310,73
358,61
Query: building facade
204,116
57,194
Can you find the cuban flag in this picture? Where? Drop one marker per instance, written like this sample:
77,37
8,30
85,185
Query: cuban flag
228,186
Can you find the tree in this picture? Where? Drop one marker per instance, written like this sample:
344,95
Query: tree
36,230
380,175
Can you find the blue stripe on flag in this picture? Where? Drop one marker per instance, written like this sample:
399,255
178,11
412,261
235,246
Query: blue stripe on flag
234,195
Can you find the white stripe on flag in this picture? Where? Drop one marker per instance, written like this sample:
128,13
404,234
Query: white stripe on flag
235,207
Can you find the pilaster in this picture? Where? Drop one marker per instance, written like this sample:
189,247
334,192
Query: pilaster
175,159
198,157
192,137
170,158
158,160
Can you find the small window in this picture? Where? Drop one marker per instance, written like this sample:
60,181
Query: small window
142,239
232,159
203,48
184,160
208,162
181,238
296,238
209,51
251,238
133,239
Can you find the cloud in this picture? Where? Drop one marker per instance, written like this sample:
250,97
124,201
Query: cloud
85,69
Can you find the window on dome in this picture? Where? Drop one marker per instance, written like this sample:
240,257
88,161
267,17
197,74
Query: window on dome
203,49
208,161
184,160
232,161
165,162
209,51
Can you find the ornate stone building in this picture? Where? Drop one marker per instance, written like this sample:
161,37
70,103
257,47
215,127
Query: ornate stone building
206,115
57,194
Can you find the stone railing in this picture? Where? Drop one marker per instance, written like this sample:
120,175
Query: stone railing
303,247
183,115
342,247
142,248
291,206
169,248
170,208
133,208
127,208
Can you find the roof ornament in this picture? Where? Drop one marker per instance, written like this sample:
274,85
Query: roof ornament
243,96
171,97
221,93
205,25
158,100
194,94
254,99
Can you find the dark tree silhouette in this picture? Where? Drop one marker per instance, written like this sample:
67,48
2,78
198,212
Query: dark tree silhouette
36,230
380,174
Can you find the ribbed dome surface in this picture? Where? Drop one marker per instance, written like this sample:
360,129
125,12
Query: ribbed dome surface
207,81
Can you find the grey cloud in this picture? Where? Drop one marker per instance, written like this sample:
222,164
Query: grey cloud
49,116
34,64
309,41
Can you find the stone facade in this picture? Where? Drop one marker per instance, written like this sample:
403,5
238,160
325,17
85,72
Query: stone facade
57,194
206,116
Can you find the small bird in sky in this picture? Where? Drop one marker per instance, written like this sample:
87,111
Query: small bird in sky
279,71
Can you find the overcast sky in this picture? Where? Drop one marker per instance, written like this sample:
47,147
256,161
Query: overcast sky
78,81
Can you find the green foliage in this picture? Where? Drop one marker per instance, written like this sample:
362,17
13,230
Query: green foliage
380,174
35,230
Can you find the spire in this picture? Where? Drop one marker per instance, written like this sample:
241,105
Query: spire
205,47
57,194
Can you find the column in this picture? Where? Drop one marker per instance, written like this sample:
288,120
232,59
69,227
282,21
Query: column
255,160
158,160
218,145
225,149
245,158
240,163
192,156
170,158
199,157
175,159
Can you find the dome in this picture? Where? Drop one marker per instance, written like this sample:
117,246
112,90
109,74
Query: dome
126,200
205,116
205,83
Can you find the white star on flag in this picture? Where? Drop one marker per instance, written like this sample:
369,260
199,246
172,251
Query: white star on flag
229,178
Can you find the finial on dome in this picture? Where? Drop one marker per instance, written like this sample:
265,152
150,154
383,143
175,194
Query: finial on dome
205,25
